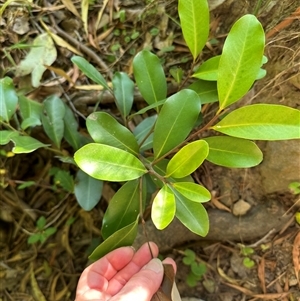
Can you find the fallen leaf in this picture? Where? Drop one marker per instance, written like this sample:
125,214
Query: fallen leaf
296,256
43,52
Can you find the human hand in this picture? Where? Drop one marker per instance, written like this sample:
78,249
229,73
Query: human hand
123,275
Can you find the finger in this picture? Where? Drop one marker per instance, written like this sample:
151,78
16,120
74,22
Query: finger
144,284
140,258
169,260
97,275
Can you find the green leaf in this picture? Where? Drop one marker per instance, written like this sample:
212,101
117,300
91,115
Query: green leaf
198,269
89,70
108,163
189,258
209,69
192,280
193,215
26,144
8,100
187,159
71,133
87,190
261,122
248,263
147,108
233,152
150,77
49,231
123,88
194,20
142,130
43,53
206,90
41,223
163,208
26,184
121,238
241,60
122,210
107,130
193,192
175,121
5,136
62,178
31,112
34,238
53,122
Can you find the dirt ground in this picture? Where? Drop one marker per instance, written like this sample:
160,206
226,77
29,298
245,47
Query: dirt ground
50,271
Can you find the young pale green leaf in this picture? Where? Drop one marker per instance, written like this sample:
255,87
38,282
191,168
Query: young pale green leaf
261,122
123,88
63,178
87,190
71,133
31,112
150,77
142,131
108,163
193,215
175,121
5,136
43,53
89,70
241,60
105,129
206,90
187,159
194,20
233,152
209,69
8,98
121,238
53,122
193,192
26,144
163,208
122,210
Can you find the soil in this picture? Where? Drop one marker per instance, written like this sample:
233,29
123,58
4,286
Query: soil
50,271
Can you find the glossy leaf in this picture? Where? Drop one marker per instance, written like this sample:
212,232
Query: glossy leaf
31,112
163,208
175,121
240,60
53,122
261,122
26,144
233,152
105,129
87,190
122,210
193,215
193,192
43,53
8,98
209,69
187,159
150,77
5,136
206,90
194,20
121,238
142,131
123,88
71,133
89,70
108,163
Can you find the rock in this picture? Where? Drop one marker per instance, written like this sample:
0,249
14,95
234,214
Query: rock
240,208
281,165
223,226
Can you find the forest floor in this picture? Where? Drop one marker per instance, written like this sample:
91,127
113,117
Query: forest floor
264,268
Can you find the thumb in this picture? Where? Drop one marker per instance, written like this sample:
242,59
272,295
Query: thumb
144,284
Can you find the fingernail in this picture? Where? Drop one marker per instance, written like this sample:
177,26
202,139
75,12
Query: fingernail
154,265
